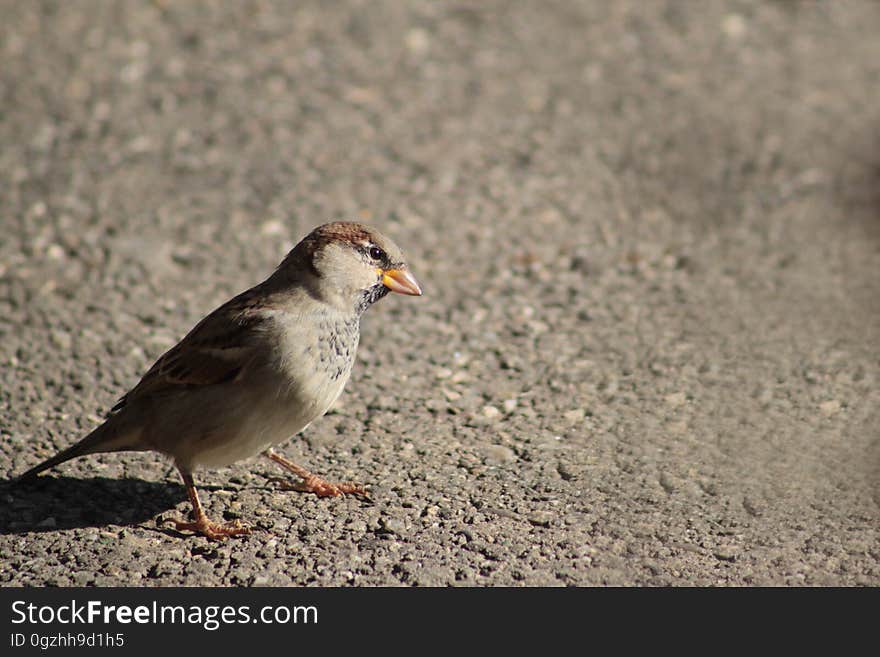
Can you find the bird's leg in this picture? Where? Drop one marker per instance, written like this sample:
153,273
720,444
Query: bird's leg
312,483
201,524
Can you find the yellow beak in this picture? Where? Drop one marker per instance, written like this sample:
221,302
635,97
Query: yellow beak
401,281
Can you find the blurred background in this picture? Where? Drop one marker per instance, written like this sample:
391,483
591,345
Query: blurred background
648,236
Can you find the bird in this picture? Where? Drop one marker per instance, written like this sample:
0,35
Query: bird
257,370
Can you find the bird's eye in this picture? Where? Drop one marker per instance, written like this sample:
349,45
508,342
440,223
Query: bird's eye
376,253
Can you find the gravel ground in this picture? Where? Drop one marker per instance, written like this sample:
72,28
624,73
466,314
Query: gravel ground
649,238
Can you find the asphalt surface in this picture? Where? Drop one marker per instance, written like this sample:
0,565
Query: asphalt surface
649,239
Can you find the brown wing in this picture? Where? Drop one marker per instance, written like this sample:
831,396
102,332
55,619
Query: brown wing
215,351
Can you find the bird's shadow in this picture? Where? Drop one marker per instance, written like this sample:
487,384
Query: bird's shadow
51,503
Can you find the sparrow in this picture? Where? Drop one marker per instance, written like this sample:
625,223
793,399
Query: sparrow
259,369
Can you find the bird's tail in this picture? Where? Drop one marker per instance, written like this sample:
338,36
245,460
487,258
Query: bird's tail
106,438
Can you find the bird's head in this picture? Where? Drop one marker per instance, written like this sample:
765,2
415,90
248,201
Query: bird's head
351,264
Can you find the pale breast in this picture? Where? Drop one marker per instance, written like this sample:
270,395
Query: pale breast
314,365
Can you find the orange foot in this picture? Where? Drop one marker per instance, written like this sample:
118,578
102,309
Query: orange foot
212,530
321,488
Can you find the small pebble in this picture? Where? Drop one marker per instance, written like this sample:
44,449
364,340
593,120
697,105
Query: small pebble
733,26
272,228
830,407
393,526
676,399
418,41
491,412
55,252
499,454
61,340
725,552
541,518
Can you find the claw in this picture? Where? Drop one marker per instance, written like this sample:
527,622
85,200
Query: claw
212,530
321,487
312,483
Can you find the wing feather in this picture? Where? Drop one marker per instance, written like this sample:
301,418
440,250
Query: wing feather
217,350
